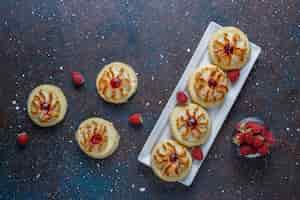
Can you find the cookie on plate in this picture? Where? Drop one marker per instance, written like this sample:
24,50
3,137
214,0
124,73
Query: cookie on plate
190,125
116,82
47,105
97,138
229,48
171,161
208,86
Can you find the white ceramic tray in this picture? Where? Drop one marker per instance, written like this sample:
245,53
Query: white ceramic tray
218,115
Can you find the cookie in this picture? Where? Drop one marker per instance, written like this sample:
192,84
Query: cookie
116,82
171,161
229,48
190,125
97,138
208,86
47,105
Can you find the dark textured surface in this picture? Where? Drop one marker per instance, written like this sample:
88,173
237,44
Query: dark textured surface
42,41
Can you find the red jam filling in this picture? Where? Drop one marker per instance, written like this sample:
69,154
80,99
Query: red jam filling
96,139
192,122
115,82
228,49
212,83
45,106
173,157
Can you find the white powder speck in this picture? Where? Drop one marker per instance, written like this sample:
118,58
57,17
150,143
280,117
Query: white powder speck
61,67
188,50
103,59
147,104
102,37
297,163
159,102
50,77
98,165
17,107
152,78
132,185
277,90
38,176
142,189
70,141
111,190
14,102
257,83
23,75
222,191
287,129
161,56
298,129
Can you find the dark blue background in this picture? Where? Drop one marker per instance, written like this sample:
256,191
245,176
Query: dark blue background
158,39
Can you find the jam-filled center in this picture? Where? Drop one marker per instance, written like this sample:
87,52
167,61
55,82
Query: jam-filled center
96,139
45,107
228,49
192,122
173,157
212,83
115,82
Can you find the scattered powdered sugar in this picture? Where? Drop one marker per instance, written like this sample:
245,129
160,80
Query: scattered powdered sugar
142,189
38,176
188,50
14,102
147,103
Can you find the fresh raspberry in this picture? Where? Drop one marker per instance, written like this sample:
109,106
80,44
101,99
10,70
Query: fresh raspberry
181,97
269,138
197,153
136,119
115,82
77,78
239,138
233,75
255,127
249,138
258,141
22,139
263,150
246,150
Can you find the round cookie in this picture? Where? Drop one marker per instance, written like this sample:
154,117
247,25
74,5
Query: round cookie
208,86
97,138
190,125
171,161
229,48
47,105
116,82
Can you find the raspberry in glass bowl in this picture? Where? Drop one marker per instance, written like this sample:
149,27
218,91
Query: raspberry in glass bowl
253,138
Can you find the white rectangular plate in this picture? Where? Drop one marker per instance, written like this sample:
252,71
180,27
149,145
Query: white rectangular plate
218,115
